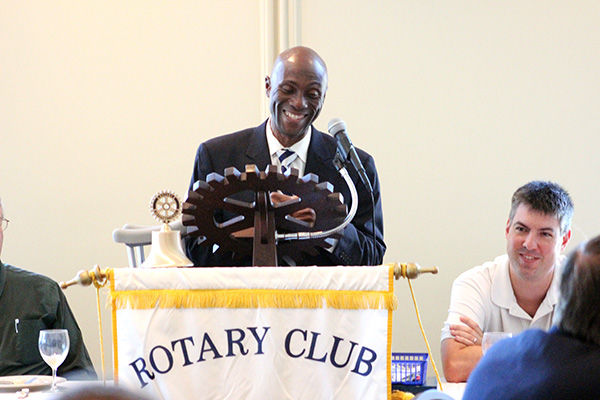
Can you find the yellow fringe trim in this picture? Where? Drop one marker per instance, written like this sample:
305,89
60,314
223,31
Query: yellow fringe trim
389,335
111,277
254,298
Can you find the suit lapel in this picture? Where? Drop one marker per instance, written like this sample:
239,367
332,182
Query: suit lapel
320,156
320,162
258,151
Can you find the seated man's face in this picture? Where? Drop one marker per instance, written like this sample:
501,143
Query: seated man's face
533,243
296,90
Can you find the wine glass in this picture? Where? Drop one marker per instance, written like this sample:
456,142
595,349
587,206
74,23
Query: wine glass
54,347
489,338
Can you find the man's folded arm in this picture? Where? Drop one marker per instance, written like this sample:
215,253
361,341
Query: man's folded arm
459,360
462,334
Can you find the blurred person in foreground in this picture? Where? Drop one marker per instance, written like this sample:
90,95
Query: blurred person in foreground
296,89
30,302
563,363
100,392
515,291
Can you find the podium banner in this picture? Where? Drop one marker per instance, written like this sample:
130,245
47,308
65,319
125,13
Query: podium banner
254,332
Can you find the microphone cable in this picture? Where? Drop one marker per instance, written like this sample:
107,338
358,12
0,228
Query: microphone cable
346,152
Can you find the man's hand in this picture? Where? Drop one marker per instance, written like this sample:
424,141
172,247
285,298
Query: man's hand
307,215
461,353
470,335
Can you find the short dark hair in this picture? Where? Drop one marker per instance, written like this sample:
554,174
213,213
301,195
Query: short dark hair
578,313
545,197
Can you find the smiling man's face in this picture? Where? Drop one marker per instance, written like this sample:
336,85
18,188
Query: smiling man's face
296,89
534,242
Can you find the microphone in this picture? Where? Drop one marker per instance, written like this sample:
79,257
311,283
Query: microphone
337,128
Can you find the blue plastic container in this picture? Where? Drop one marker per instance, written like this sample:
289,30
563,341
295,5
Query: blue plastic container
409,368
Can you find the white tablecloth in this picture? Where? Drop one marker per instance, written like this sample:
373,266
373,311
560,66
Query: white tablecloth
45,394
455,390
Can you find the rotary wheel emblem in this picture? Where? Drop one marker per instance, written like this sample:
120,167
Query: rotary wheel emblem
165,206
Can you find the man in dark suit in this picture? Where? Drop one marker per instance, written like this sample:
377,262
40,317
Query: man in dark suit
296,89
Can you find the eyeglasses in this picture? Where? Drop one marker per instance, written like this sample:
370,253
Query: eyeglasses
4,223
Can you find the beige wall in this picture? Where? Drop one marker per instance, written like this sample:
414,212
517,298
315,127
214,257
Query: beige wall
461,102
104,103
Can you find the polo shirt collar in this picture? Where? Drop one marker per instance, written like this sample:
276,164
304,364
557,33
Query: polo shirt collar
502,291
503,294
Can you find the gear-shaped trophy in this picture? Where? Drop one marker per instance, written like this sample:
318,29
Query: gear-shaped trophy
226,205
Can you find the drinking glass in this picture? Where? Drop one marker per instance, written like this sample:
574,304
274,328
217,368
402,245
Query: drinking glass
54,347
489,338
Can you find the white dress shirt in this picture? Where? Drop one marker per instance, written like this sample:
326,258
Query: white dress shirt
300,148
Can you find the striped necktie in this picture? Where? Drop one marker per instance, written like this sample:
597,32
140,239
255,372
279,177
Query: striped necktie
286,158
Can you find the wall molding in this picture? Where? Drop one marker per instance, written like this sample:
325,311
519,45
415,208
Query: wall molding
280,29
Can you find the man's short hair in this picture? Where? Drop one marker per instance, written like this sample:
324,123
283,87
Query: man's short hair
545,197
578,313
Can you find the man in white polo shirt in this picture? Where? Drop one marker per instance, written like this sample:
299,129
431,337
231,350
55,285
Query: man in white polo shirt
515,291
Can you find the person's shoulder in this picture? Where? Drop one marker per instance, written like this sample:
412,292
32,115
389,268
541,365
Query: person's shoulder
364,156
238,137
533,333
331,142
324,138
28,277
528,339
486,270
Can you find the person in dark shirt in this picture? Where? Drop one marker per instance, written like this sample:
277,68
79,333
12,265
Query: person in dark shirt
30,302
101,392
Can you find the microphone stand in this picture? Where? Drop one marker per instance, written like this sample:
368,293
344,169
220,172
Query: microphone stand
339,164
345,157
